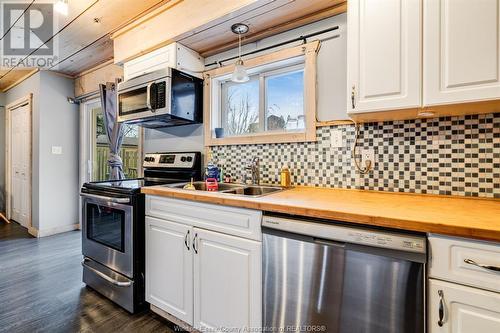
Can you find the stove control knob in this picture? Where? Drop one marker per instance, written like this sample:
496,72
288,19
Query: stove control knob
189,159
183,159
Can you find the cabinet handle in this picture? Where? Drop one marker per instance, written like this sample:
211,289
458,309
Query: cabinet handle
186,240
489,268
441,308
353,97
194,243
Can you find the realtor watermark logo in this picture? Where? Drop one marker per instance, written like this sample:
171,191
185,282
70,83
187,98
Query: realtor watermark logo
28,34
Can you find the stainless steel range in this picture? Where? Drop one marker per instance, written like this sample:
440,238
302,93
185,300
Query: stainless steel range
113,227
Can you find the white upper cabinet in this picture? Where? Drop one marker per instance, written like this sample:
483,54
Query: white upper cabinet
461,51
384,55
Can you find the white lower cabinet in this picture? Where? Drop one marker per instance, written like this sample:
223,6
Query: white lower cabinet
227,281
210,280
169,268
464,309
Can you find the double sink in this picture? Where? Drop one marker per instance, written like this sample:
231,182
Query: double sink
235,189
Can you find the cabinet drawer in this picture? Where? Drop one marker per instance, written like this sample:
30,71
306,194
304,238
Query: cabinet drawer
449,256
234,221
465,309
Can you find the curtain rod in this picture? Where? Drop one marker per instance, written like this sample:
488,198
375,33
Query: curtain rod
303,38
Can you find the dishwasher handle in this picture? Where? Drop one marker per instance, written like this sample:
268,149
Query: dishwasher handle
328,242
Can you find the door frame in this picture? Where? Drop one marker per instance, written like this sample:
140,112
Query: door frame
26,100
86,141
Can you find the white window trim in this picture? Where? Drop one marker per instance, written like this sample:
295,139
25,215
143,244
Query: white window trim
212,108
282,67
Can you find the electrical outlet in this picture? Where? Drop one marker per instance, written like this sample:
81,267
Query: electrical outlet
56,150
368,155
336,139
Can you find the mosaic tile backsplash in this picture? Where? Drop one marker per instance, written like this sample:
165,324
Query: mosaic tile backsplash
448,156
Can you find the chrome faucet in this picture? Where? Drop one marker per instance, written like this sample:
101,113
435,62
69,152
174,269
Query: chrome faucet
254,167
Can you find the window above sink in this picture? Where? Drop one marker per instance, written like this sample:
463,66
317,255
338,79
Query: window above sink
277,104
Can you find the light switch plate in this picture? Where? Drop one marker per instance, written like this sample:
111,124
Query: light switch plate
336,139
56,150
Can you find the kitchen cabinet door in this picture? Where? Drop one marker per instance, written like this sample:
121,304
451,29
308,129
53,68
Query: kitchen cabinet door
227,281
465,309
383,55
169,268
461,51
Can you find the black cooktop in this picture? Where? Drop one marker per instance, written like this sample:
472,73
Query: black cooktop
159,169
128,186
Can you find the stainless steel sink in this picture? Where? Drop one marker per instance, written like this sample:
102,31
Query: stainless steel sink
201,186
255,191
235,189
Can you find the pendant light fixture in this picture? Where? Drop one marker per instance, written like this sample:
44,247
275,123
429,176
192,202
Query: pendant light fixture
240,73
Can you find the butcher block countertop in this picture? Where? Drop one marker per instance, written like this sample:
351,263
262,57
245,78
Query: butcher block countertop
456,216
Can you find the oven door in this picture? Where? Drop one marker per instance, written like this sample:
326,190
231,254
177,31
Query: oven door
107,233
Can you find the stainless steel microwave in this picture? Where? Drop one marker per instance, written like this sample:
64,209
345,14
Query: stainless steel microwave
163,98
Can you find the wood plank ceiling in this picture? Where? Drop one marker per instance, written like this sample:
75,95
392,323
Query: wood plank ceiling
271,18
84,38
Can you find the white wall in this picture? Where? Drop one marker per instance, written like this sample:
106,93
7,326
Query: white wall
184,138
59,124
55,177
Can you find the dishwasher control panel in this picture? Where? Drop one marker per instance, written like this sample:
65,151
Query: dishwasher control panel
340,233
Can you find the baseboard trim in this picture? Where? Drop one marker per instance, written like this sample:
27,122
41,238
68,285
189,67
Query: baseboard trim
2,217
52,231
182,324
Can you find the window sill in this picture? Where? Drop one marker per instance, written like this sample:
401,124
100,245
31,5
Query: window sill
262,138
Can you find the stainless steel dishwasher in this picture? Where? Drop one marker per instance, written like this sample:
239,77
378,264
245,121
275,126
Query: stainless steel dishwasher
335,278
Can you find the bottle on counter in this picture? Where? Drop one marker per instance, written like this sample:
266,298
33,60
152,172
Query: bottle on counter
285,176
212,170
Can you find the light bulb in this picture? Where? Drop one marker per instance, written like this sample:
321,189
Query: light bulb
240,73
61,7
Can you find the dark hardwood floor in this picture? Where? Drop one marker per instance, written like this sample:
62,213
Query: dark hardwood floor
41,289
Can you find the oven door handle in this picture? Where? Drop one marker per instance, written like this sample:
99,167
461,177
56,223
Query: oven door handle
109,199
107,278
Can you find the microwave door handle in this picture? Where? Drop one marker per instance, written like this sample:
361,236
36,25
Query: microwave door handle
148,96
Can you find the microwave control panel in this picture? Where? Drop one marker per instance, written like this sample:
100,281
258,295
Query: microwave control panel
158,92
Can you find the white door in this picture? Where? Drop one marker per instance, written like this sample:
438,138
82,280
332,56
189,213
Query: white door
169,268
227,281
465,309
383,54
20,148
461,51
